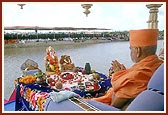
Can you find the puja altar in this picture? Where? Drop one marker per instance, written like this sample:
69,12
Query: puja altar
32,96
35,90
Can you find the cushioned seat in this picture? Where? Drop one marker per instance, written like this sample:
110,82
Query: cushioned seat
10,106
157,80
102,106
147,101
151,99
65,105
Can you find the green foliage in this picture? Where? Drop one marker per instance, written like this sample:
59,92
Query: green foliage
120,35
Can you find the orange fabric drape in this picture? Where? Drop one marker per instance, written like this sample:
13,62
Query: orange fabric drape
129,83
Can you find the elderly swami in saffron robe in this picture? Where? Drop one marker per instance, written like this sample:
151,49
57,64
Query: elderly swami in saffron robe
128,83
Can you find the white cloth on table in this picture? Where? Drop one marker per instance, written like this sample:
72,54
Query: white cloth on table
62,95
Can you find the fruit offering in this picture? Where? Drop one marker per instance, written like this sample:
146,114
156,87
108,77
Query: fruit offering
27,79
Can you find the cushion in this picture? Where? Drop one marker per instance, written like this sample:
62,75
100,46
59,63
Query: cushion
157,80
65,105
147,101
102,106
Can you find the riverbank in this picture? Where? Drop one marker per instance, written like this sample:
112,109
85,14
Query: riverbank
42,44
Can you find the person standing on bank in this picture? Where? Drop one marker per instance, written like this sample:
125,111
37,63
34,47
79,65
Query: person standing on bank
128,83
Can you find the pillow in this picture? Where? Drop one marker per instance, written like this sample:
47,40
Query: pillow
61,96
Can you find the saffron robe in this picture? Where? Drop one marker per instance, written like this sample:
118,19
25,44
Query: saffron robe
130,82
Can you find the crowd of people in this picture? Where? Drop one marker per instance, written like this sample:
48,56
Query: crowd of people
67,36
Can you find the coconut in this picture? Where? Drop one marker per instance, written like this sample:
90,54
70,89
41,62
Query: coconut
59,85
96,76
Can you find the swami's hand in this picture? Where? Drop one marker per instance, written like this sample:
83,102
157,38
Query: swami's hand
116,66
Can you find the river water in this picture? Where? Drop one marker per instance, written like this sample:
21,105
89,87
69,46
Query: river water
98,55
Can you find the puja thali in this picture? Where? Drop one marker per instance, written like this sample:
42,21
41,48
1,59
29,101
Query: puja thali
76,81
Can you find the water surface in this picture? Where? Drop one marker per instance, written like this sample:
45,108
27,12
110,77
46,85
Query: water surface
98,55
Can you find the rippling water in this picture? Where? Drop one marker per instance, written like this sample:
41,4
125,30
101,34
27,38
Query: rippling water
98,55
